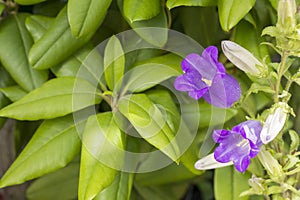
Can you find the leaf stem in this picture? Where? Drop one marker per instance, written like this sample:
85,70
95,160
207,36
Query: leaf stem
280,70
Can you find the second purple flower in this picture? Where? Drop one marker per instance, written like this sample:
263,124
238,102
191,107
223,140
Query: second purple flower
205,77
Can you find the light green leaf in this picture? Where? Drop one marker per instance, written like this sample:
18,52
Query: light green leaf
55,98
147,75
55,143
229,183
14,93
86,16
120,189
232,11
56,44
138,10
28,2
114,62
37,25
101,133
15,44
274,3
148,120
61,184
294,140
271,31
175,3
154,31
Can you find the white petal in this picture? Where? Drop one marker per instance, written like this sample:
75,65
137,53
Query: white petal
209,162
273,125
241,57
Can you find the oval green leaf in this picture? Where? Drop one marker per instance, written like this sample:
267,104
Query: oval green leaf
229,183
56,44
57,97
28,2
15,44
148,120
14,93
147,75
175,3
137,10
120,189
37,25
61,184
232,11
86,16
101,133
55,143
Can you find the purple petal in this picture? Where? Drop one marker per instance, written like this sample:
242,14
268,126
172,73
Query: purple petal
231,147
223,91
250,130
241,163
219,135
211,54
197,94
190,63
182,83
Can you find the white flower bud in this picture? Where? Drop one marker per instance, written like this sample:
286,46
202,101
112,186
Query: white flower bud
241,57
274,124
286,15
272,166
209,162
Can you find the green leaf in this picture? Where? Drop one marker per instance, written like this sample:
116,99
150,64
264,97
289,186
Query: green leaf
232,11
14,93
148,120
101,133
28,2
271,31
138,10
61,184
120,189
85,17
294,140
37,25
205,33
56,44
114,62
55,143
55,98
229,183
175,3
147,75
15,44
2,7
164,176
154,31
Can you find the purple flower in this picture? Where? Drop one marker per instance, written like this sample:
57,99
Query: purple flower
238,145
205,77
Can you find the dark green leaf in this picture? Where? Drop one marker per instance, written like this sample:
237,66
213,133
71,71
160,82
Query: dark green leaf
61,184
28,2
98,167
56,44
114,62
15,44
2,7
120,189
14,93
232,11
138,10
55,98
164,176
148,120
229,183
175,3
86,16
54,144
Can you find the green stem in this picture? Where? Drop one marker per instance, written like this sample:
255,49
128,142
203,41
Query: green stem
281,69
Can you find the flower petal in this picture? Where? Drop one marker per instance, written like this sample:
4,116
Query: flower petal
220,135
250,130
209,162
211,54
223,91
241,163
